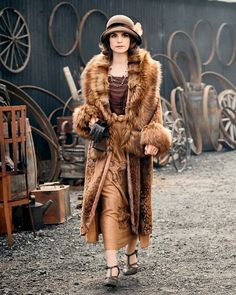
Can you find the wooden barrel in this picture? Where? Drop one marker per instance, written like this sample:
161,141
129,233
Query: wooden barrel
212,117
18,181
206,115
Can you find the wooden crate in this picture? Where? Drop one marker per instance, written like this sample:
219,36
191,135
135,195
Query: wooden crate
60,209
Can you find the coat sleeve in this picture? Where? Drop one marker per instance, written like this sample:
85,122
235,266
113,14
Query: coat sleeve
81,118
83,114
155,133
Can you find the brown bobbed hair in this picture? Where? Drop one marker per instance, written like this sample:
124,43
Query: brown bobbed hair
106,49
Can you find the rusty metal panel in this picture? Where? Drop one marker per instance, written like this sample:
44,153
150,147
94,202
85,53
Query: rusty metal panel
54,27
159,20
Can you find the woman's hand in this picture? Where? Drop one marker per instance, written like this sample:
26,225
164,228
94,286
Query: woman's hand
150,150
92,121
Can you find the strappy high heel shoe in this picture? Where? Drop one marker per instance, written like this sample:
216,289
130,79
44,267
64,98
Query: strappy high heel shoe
131,268
112,281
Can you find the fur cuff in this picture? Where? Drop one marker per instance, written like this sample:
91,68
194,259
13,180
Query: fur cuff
157,135
81,118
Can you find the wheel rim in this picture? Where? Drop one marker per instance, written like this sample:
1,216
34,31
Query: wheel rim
15,44
180,149
227,101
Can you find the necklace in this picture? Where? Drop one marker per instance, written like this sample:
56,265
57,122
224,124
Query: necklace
118,81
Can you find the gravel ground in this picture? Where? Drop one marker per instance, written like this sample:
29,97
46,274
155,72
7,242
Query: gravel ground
193,248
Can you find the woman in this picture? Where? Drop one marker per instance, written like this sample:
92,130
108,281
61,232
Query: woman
123,118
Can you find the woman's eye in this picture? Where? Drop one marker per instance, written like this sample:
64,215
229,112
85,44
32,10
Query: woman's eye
113,35
126,35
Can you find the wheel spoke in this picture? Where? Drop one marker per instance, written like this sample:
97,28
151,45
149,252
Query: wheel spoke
23,36
19,54
227,125
228,112
2,28
228,98
12,56
9,31
233,103
15,58
23,44
9,22
21,49
7,48
22,27
16,25
224,103
6,56
225,119
231,131
3,42
5,36
234,129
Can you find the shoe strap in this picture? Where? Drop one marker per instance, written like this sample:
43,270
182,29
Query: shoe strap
110,268
129,255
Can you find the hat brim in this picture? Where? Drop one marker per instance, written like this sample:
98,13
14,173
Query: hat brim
121,29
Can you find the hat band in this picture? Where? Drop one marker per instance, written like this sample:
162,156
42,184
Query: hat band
119,25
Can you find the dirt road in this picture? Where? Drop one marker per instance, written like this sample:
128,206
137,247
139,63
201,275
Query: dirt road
193,249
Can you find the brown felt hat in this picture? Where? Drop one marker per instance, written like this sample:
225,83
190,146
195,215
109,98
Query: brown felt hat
122,23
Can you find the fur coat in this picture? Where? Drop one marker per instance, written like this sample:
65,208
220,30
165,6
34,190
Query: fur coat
142,126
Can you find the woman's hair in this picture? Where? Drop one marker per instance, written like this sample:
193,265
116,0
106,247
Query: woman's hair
106,49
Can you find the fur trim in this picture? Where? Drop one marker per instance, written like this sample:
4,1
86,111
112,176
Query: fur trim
145,220
133,145
144,84
81,118
157,135
133,173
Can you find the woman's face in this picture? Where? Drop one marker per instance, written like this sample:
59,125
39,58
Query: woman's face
119,42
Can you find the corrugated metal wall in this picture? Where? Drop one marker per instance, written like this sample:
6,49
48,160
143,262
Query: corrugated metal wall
159,20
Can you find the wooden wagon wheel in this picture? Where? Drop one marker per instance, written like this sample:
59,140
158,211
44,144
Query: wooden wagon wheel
227,101
180,147
167,122
15,45
81,28
212,39
165,105
164,159
197,68
180,109
175,104
50,31
219,32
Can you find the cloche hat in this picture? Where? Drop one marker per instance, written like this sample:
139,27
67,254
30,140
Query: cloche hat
123,23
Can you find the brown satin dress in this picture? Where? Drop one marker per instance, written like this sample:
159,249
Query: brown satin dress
115,211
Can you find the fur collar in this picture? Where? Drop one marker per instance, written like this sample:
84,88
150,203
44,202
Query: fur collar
144,82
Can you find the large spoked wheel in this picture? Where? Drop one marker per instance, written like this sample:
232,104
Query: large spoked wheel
15,45
227,101
164,159
180,147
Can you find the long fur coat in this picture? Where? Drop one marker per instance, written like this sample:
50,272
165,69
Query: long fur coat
142,126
